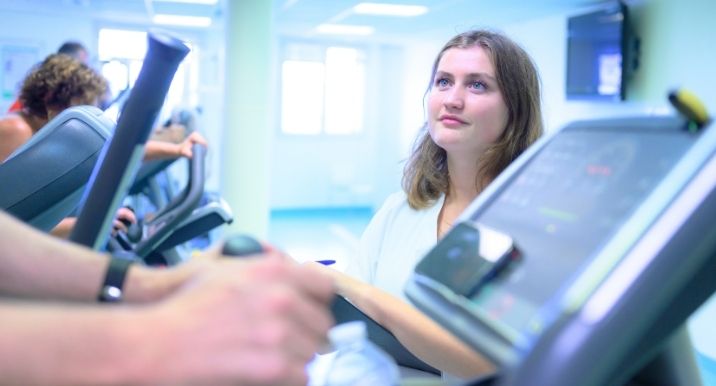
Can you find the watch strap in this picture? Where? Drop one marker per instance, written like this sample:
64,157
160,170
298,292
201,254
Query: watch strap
111,290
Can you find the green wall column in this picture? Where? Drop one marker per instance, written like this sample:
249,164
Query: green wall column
247,129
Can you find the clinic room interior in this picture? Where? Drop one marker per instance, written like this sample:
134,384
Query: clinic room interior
311,107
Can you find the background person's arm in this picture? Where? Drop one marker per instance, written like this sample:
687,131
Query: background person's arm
156,150
14,132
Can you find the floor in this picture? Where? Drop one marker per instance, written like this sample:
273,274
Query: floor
319,234
333,234
708,369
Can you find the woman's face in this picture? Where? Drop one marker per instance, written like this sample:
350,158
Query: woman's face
466,110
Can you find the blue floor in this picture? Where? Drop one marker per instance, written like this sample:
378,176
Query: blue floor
319,233
708,369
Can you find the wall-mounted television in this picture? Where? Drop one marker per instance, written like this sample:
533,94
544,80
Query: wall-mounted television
599,54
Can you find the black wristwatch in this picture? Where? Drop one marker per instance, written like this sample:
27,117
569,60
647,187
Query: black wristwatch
111,291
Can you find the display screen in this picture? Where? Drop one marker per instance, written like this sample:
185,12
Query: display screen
468,257
559,211
595,55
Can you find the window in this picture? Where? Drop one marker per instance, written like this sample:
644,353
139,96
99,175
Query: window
121,54
322,90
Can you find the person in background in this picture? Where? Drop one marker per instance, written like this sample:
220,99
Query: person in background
70,48
210,321
76,50
483,105
52,86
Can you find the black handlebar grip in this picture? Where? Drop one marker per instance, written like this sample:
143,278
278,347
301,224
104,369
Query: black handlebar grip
241,245
134,232
115,167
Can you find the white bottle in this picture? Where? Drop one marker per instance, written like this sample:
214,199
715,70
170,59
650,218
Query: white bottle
359,362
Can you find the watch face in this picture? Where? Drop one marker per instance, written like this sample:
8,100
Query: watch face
111,294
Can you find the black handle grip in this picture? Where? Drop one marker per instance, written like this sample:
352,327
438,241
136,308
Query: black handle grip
115,167
134,232
241,245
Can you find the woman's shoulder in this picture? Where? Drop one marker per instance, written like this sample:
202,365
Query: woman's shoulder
396,205
396,199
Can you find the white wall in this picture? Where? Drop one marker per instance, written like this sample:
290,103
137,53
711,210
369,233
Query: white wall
47,28
677,51
43,32
356,170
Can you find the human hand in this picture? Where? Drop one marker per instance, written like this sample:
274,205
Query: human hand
246,321
189,141
344,284
122,220
174,133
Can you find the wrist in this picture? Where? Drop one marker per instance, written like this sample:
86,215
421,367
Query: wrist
178,149
146,284
112,289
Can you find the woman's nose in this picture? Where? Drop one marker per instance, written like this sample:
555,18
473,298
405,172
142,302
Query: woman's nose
454,98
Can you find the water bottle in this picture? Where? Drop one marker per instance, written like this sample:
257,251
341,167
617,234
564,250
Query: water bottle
357,361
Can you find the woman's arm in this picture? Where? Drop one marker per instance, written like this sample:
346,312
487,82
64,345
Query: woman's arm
419,334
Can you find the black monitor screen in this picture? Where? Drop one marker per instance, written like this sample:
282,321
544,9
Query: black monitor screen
595,59
563,206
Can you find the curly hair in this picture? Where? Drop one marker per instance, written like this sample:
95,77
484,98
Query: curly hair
59,82
426,174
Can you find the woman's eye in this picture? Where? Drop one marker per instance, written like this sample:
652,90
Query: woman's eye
442,82
480,86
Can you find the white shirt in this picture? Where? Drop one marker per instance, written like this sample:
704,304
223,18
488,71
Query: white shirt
394,241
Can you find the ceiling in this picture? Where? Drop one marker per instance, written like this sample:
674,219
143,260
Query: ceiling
300,17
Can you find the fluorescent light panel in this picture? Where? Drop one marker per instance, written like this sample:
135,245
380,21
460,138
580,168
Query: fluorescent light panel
181,20
384,9
205,2
345,29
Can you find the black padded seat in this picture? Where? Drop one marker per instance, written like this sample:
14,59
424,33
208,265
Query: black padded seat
42,181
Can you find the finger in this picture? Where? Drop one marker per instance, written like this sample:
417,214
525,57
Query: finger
314,282
198,138
298,343
271,367
119,226
292,321
126,214
273,252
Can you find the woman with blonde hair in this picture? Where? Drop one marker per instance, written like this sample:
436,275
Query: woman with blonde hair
483,105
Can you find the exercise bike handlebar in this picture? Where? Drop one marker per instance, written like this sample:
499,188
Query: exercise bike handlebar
119,161
180,208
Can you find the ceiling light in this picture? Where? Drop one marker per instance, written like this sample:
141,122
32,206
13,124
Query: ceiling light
345,29
181,20
206,2
390,9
